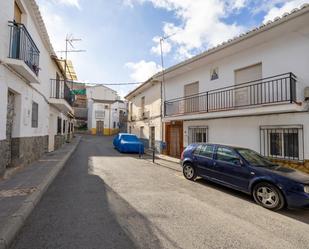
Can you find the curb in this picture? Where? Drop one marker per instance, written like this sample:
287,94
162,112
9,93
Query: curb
18,219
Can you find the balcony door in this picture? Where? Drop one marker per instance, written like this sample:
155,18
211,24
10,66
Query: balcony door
191,104
242,93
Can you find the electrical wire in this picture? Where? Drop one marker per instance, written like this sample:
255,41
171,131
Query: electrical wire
106,84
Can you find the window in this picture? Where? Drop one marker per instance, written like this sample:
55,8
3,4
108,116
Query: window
207,151
198,135
143,104
282,142
35,115
141,135
226,155
114,125
59,125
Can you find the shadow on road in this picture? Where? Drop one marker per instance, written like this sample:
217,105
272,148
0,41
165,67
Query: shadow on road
80,211
297,214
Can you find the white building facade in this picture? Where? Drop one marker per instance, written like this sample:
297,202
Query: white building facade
29,111
251,91
145,115
106,112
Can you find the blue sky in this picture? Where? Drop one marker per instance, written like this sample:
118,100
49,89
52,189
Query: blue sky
121,36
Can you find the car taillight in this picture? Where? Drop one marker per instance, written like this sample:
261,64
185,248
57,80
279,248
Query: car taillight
182,153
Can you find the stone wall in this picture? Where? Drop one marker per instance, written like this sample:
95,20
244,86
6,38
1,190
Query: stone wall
5,155
59,141
26,150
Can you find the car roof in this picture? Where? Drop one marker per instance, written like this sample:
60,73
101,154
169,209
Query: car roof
128,134
225,145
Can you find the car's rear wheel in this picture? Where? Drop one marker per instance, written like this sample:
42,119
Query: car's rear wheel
189,172
268,196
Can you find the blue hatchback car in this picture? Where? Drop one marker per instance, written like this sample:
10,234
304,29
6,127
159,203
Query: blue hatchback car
128,143
272,186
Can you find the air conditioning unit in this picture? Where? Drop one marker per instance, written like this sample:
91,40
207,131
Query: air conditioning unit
306,93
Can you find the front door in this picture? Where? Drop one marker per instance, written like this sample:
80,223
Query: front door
100,127
9,124
230,170
174,138
175,141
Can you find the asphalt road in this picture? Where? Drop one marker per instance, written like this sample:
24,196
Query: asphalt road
103,199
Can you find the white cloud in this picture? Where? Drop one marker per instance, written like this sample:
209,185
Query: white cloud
166,46
201,24
286,7
142,70
74,3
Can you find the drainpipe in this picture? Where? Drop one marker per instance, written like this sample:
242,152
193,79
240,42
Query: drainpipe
109,120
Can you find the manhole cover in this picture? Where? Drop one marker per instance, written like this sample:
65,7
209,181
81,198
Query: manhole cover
16,192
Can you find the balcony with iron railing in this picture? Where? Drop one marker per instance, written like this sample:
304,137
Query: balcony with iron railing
267,91
60,94
23,48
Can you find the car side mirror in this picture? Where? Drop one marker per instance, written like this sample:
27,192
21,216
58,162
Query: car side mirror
238,162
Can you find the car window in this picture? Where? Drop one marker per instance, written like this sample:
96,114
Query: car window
129,137
226,155
197,150
207,150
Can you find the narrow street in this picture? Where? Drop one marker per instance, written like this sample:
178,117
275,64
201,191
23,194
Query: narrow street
104,199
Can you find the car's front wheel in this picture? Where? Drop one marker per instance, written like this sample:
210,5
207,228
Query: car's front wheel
268,196
189,172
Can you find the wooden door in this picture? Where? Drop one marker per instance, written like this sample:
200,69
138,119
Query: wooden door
251,73
100,128
174,139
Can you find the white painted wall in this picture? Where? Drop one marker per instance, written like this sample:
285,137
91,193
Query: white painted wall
281,52
245,131
152,96
101,93
25,92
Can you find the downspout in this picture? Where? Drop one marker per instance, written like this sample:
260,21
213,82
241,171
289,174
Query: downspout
109,120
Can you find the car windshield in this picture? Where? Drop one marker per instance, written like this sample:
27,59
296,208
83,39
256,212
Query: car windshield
129,137
254,158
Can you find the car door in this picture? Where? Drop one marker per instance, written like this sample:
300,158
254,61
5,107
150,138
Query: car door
230,168
204,162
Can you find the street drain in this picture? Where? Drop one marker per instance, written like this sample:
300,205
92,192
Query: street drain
16,192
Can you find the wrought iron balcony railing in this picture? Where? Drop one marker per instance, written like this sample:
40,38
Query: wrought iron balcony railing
60,90
271,90
22,46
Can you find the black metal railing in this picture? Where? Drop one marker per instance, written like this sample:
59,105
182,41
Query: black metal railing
22,46
60,90
271,90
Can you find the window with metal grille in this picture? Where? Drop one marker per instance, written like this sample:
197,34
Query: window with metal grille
282,142
35,115
198,134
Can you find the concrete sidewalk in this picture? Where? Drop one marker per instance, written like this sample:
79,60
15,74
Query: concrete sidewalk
164,161
20,194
